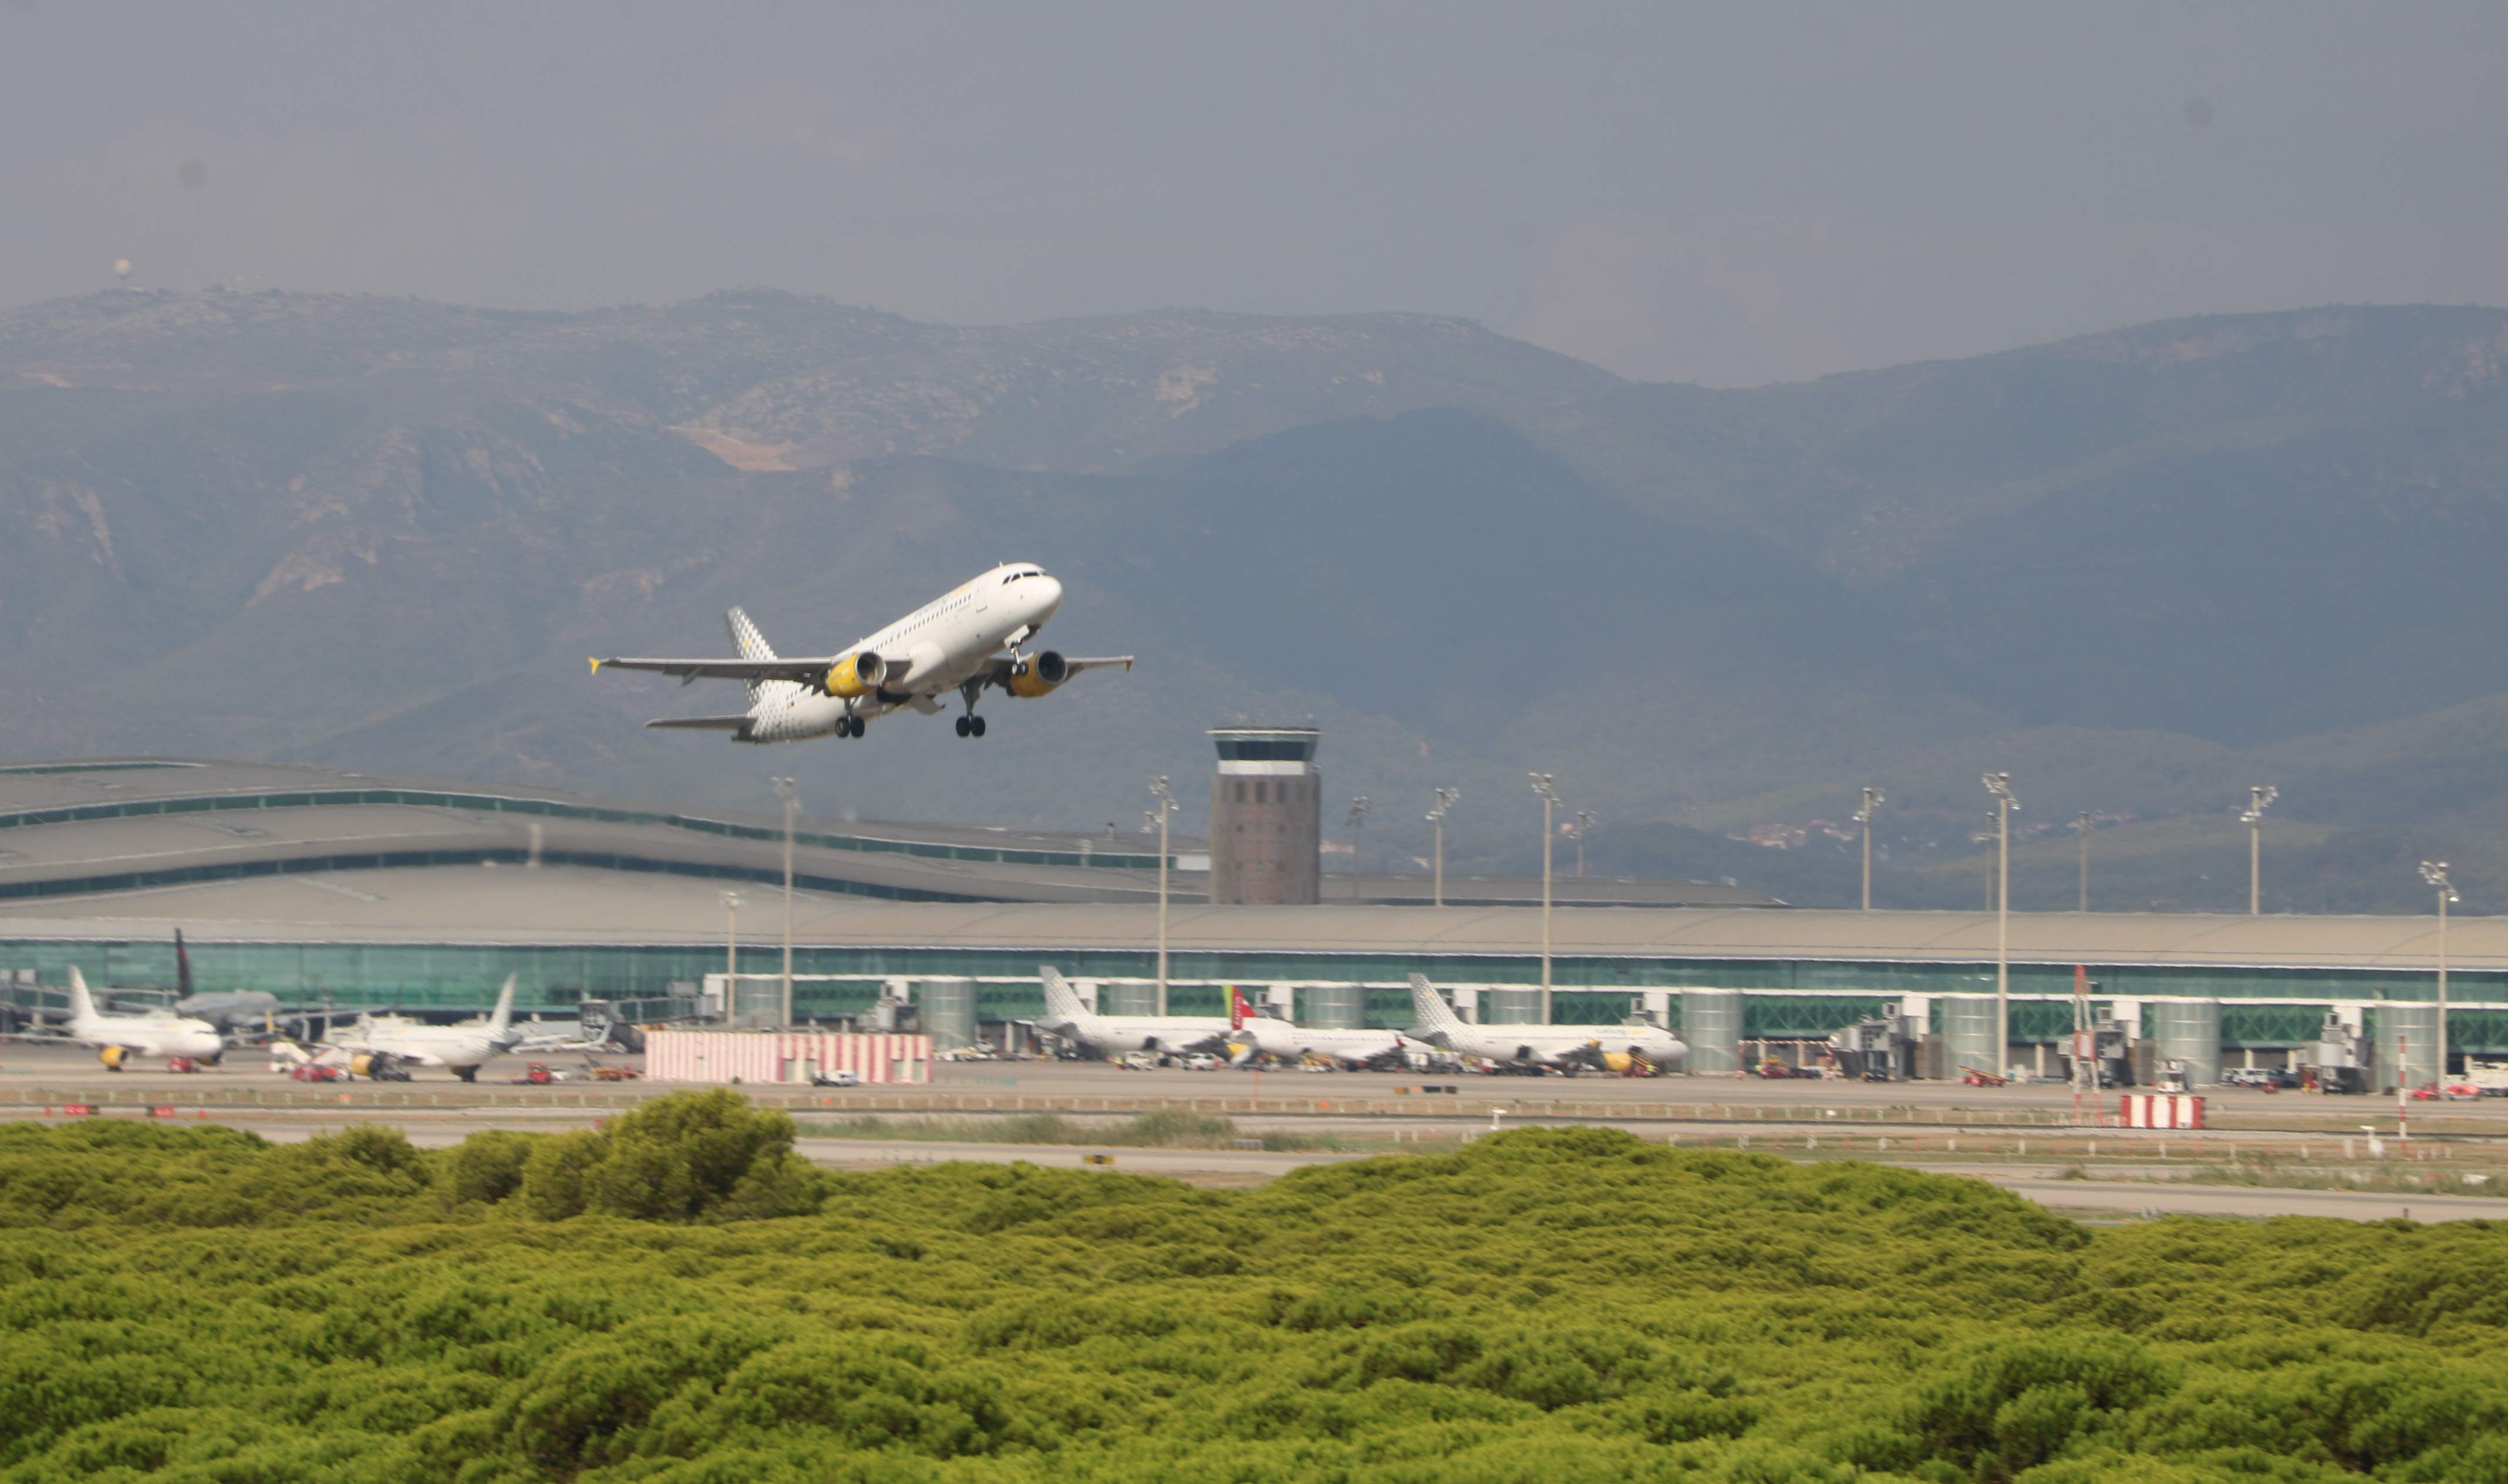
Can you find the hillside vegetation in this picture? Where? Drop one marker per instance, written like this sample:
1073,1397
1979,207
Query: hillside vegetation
672,1299
2139,570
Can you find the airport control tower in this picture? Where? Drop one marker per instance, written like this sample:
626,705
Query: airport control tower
1266,817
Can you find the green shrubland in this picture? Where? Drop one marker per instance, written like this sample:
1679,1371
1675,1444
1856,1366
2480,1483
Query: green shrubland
674,1298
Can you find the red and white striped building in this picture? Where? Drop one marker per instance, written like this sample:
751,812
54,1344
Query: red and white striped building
2160,1110
783,1055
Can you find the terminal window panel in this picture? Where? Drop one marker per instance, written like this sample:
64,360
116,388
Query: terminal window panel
1784,1017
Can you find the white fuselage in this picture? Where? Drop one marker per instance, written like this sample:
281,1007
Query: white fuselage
153,1033
931,651
1562,1045
424,1045
1121,1033
1068,1016
148,1033
1291,1042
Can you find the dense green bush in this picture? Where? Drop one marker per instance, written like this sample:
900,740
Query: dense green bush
1564,1305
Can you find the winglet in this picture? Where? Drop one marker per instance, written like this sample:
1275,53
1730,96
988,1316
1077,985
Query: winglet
596,664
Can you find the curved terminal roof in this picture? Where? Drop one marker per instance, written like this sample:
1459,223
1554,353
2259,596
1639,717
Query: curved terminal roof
572,905
78,827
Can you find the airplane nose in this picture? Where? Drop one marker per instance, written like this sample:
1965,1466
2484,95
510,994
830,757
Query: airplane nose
1049,596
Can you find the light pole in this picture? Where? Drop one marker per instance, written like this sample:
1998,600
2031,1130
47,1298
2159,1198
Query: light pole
1585,822
2260,797
730,955
1166,811
791,794
1999,786
1864,817
2082,827
2435,873
1437,816
1358,808
1541,785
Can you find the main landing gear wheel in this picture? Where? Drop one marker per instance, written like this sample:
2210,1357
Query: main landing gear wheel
971,726
849,726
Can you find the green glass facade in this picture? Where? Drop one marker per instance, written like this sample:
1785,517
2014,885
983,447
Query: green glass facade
1786,998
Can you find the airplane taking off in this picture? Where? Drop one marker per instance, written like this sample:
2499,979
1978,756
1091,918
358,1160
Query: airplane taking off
460,1049
953,643
1371,1050
1568,1047
149,1033
1067,1016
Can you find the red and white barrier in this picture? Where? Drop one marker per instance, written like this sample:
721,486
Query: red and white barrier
783,1055
2160,1110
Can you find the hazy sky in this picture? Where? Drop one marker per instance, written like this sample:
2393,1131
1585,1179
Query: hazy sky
1729,194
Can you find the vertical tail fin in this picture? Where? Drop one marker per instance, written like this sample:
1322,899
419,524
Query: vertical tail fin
502,1017
1238,1012
82,1003
752,644
1061,1001
1429,1008
182,967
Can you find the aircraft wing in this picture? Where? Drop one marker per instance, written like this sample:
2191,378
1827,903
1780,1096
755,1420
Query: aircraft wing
701,724
688,670
1010,675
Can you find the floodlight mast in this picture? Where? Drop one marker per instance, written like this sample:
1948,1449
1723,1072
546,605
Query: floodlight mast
1543,786
2081,824
791,794
1358,811
1863,816
1437,816
2435,873
731,953
1166,811
2260,797
1999,786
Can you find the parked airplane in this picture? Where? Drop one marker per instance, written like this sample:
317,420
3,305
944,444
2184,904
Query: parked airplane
229,1010
1067,1016
392,1038
117,1038
1374,1050
1568,1047
953,643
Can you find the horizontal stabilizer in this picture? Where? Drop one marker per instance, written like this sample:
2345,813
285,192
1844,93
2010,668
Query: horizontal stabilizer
701,724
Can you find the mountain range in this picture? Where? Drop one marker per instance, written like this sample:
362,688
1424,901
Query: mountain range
2139,570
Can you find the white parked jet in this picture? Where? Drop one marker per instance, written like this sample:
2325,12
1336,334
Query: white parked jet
1379,1050
1066,1016
1568,1047
955,642
117,1038
460,1049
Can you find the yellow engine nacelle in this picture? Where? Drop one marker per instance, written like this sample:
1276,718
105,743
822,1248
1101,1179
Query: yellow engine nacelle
1038,676
115,1057
854,675
361,1064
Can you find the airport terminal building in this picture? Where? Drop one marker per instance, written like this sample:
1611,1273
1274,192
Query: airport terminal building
425,894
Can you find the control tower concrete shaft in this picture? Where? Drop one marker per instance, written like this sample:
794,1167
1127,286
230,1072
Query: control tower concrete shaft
1266,817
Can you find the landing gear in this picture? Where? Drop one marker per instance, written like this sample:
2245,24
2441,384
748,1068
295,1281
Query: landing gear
971,726
467,1073
850,727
